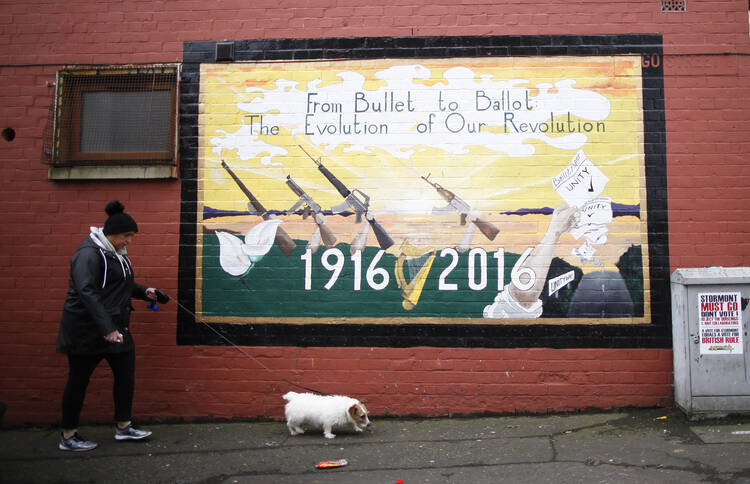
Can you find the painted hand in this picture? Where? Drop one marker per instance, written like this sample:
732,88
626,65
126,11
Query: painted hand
564,218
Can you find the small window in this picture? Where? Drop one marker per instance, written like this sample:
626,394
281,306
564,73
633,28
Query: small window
673,5
118,115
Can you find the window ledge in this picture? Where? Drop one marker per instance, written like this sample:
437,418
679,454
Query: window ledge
112,172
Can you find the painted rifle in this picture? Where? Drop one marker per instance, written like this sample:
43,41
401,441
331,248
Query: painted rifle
322,231
455,204
359,206
282,239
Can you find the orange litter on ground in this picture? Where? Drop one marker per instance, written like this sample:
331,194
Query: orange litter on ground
327,464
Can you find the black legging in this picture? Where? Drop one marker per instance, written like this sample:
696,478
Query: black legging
80,369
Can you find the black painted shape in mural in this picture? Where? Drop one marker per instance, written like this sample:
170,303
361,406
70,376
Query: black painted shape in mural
654,335
558,304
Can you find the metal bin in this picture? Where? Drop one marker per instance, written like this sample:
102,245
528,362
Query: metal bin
709,339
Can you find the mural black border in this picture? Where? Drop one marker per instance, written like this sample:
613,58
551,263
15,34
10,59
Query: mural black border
655,335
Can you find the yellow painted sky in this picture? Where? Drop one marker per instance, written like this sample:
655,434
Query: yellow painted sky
490,181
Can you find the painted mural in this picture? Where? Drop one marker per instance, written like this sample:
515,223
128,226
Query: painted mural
410,191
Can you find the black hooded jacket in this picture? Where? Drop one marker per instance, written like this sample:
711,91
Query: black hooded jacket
98,301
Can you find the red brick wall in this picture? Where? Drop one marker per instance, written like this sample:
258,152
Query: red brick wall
708,141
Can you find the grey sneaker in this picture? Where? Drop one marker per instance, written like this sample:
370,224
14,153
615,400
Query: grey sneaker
76,443
130,433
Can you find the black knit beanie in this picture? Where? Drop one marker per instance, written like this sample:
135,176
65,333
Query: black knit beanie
118,222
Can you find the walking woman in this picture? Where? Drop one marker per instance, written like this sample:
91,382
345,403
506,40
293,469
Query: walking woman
95,322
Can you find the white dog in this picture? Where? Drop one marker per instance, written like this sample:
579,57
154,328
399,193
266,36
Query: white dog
324,412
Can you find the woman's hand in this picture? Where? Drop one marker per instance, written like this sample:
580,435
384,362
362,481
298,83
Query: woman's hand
151,293
114,337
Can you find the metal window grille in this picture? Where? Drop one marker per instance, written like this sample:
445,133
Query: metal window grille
108,115
673,5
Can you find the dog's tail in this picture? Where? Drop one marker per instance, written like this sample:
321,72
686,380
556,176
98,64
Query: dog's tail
289,395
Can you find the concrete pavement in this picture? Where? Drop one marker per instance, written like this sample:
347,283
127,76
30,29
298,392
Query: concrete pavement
633,445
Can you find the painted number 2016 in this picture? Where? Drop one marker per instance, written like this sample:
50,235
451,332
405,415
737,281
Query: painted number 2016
522,277
378,278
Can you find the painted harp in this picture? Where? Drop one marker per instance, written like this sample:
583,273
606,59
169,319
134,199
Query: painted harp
412,267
